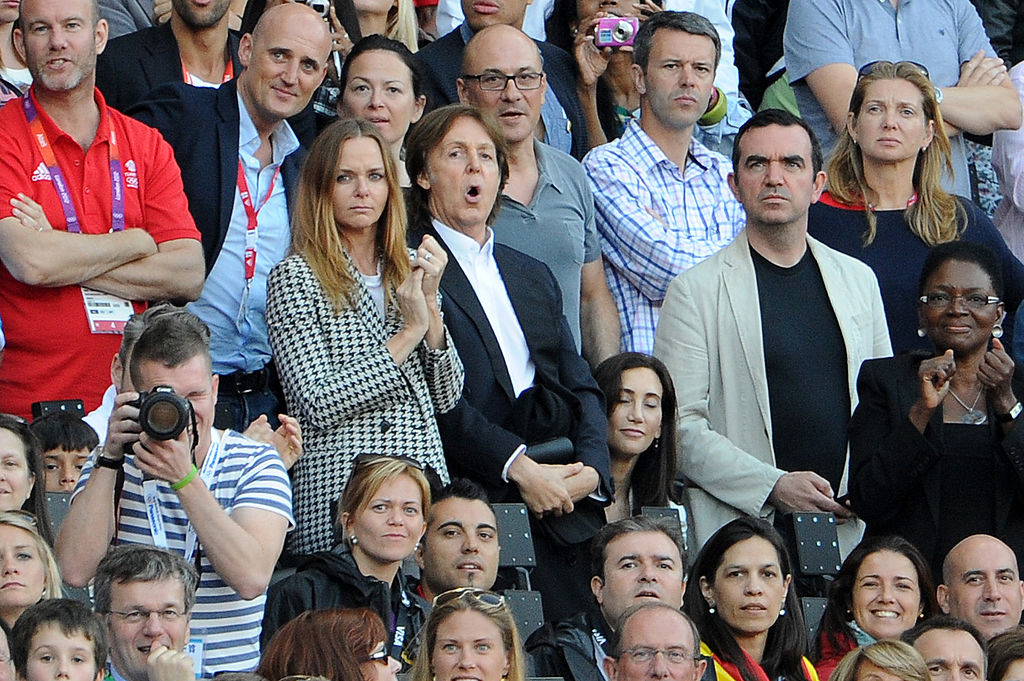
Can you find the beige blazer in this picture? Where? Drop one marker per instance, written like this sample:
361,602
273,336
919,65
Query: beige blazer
709,336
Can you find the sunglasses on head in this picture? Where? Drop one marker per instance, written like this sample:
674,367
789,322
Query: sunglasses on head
481,595
869,68
374,459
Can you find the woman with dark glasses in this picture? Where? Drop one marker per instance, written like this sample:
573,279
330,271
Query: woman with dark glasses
470,633
885,203
381,517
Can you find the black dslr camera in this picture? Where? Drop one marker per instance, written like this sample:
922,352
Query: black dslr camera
162,413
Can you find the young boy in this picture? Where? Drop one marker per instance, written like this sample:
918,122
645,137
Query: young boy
66,442
59,638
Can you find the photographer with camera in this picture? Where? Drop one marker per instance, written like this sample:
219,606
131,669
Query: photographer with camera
220,500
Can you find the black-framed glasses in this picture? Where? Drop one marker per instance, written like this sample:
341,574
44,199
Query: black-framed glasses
139,616
940,300
673,656
488,598
870,66
374,459
497,82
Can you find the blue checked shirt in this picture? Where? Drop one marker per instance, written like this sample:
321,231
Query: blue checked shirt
656,221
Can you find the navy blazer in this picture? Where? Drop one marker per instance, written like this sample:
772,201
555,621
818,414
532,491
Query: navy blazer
477,442
442,65
132,65
196,122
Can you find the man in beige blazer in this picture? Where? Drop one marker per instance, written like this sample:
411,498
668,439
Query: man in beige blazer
764,341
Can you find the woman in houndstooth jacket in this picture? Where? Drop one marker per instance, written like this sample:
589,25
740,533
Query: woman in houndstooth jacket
354,318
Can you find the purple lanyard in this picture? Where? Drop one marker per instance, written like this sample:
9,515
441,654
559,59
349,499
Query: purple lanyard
57,177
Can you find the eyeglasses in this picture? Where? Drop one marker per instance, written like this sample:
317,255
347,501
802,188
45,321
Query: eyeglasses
674,656
139,616
868,68
941,300
374,459
483,596
496,82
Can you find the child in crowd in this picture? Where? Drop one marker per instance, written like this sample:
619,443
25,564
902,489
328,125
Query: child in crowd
66,442
59,638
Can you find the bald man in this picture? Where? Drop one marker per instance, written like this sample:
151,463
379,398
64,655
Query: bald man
981,584
212,132
547,208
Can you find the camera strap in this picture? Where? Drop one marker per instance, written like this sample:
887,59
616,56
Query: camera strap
151,493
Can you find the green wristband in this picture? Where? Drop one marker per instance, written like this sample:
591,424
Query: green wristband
187,479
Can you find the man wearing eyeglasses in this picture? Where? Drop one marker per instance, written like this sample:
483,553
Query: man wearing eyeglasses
655,640
146,595
547,209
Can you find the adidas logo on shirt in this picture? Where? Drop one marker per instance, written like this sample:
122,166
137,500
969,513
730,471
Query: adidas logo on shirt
41,173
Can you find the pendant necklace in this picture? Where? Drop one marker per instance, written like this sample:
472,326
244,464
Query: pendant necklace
971,415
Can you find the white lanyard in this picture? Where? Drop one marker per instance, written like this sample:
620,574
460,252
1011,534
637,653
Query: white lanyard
152,496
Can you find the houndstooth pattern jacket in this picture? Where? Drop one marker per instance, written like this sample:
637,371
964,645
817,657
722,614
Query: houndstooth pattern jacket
348,394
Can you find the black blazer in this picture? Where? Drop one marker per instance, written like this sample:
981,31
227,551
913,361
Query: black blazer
134,64
895,482
442,65
477,441
201,125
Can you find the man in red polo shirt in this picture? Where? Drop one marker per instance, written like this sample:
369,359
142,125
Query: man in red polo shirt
92,216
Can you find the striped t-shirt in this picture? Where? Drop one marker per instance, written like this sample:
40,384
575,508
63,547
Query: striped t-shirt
248,474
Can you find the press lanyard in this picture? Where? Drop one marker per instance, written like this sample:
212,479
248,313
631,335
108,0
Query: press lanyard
229,73
57,177
251,213
152,497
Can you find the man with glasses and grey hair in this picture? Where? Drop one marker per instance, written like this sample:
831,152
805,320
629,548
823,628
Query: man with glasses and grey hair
655,640
145,595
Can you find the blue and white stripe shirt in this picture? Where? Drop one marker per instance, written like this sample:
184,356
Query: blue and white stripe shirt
248,474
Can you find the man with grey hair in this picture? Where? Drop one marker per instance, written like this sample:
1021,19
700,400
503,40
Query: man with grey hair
662,198
655,640
145,595
633,561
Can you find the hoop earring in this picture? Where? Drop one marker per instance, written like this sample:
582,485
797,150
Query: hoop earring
997,330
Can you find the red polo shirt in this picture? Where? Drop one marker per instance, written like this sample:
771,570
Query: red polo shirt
51,353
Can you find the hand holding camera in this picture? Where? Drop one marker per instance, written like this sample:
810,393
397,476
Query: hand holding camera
161,424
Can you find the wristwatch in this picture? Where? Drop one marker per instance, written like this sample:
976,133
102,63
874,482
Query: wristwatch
1011,415
103,461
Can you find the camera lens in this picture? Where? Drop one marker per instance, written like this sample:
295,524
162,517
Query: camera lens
163,414
623,31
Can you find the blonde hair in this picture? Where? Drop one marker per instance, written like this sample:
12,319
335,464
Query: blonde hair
23,520
369,475
936,217
402,25
468,600
316,236
895,657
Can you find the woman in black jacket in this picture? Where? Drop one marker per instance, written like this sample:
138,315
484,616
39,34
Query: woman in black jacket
381,518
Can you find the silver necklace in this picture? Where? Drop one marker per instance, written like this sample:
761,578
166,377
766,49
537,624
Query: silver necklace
971,415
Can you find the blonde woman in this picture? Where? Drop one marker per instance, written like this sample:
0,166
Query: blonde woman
885,204
354,319
30,572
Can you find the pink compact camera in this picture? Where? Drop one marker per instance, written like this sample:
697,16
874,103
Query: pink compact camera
615,31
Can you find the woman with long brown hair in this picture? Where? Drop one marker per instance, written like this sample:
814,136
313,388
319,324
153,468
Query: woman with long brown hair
355,323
